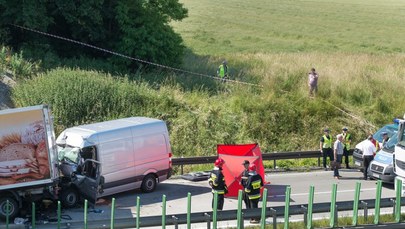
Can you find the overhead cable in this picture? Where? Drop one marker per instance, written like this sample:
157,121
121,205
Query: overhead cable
135,59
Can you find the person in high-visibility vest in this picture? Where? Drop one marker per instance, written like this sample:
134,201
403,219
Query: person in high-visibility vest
253,187
325,146
217,183
222,71
347,139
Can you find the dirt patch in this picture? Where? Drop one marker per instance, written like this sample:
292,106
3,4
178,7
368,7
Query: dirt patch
6,83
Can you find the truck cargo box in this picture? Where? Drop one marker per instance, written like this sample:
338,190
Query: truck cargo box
27,149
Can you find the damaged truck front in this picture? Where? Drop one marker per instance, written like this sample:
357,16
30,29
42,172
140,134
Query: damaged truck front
29,165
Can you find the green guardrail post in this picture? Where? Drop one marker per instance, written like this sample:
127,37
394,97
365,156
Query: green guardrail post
239,213
264,208
215,210
398,201
33,216
85,213
112,213
377,203
164,211
59,214
138,211
287,207
188,210
333,206
356,204
310,207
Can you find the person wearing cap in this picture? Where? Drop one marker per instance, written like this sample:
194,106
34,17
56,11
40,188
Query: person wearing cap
243,181
325,146
253,187
313,82
385,139
338,154
217,183
369,150
222,71
347,139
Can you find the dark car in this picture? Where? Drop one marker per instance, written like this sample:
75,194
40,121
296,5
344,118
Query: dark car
391,129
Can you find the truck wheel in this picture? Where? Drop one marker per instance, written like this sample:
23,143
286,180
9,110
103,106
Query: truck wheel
148,183
69,198
13,208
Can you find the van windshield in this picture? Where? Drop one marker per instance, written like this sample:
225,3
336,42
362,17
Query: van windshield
401,135
71,154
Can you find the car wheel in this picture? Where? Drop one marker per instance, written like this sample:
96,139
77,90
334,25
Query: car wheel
12,208
69,198
148,183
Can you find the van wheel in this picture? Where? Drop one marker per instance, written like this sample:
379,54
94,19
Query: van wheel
12,209
148,183
69,198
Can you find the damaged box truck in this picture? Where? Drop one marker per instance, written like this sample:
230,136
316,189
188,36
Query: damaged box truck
84,162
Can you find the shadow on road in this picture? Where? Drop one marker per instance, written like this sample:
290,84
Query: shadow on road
276,193
172,192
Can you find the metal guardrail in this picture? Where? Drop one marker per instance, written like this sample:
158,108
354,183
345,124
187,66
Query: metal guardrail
180,161
206,217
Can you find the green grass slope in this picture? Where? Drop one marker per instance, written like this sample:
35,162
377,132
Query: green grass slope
356,46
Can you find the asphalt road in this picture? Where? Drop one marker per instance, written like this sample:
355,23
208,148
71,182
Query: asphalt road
176,194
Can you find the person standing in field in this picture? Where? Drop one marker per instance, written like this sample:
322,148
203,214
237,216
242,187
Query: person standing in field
338,154
222,71
325,146
313,82
347,139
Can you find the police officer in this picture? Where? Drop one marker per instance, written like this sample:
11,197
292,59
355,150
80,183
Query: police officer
253,186
326,147
347,139
243,182
217,183
385,139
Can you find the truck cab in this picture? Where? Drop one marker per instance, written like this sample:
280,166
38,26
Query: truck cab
399,156
390,129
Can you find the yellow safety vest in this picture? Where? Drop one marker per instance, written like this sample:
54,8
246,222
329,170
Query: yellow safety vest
327,142
347,141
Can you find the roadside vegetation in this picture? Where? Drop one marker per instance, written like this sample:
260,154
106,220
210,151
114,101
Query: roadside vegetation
356,48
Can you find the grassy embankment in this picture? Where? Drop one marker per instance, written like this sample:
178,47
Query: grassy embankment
357,49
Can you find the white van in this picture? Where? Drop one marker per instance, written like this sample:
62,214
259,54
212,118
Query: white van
121,155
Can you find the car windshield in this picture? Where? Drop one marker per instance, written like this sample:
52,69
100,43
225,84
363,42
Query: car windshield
390,129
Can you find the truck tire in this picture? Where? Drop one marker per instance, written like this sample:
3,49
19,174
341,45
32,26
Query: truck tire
69,198
148,183
13,207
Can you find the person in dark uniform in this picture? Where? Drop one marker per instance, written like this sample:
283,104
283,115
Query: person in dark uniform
243,182
217,183
347,139
253,187
325,146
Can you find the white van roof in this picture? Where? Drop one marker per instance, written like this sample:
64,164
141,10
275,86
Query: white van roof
86,135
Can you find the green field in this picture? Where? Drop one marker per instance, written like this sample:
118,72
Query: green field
227,27
356,46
